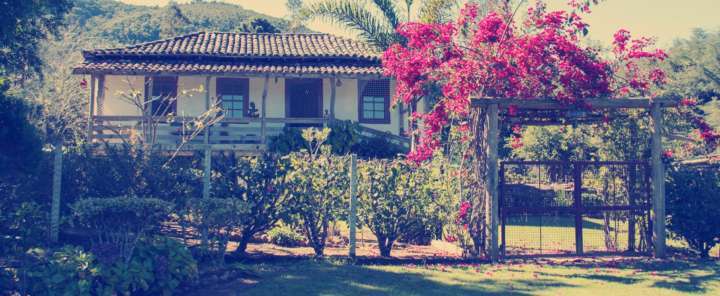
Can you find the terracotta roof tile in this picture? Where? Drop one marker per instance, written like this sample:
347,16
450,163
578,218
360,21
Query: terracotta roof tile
248,45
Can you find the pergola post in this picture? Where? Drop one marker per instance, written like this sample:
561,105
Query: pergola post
491,191
333,94
91,110
658,183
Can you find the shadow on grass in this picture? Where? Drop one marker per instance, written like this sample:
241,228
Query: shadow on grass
327,278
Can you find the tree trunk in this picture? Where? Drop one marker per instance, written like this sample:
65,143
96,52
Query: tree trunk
243,243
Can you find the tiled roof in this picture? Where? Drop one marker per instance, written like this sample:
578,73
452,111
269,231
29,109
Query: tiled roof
259,45
245,53
181,67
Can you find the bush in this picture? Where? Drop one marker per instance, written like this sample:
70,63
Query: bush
116,224
285,236
344,134
68,271
258,182
393,197
158,266
693,197
377,147
23,227
317,182
218,217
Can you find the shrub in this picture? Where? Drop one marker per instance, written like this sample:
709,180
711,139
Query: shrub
693,196
286,236
116,224
317,183
68,271
23,227
218,217
377,147
258,182
393,197
159,265
344,134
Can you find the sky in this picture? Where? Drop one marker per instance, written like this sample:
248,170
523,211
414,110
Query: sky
665,20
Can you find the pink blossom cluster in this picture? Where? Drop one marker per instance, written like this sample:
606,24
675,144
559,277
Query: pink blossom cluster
496,57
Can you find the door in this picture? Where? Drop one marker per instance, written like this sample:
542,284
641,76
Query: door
303,99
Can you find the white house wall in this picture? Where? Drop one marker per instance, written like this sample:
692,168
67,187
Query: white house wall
191,98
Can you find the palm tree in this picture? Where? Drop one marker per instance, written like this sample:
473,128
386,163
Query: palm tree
376,20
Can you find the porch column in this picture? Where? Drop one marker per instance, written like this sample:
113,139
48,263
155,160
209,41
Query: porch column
658,183
491,181
333,92
91,110
263,108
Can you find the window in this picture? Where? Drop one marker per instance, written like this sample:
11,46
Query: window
233,96
374,101
163,99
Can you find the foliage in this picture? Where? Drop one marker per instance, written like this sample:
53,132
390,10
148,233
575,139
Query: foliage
117,224
393,197
130,171
258,25
286,236
68,271
376,21
22,227
497,56
23,24
317,182
344,135
19,142
216,218
159,265
258,182
377,147
693,196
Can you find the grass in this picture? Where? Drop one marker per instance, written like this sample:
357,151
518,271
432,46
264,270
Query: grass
617,276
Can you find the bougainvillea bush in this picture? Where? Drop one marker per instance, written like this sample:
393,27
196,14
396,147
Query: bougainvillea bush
510,54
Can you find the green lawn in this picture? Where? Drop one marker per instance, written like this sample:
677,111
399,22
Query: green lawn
619,276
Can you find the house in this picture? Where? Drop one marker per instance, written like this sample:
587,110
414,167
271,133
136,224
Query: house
259,83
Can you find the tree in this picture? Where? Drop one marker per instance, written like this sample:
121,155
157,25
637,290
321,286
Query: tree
295,16
23,24
377,20
258,25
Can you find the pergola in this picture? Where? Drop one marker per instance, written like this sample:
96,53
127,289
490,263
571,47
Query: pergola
554,112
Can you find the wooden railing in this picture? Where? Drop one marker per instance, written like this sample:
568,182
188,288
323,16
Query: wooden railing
229,133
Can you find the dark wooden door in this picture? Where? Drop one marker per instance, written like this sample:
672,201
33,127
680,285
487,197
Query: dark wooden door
303,98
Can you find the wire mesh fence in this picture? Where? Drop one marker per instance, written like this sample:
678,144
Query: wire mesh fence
555,207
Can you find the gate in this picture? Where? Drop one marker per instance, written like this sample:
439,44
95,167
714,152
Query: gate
578,207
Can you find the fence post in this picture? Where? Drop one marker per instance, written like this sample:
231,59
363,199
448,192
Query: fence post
353,204
577,202
56,190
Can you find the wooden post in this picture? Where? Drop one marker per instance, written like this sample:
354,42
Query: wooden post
503,217
492,179
658,182
632,191
333,93
353,204
401,120
577,204
56,190
207,162
263,114
91,110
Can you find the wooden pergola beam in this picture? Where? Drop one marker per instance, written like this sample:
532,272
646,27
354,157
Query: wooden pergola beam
551,104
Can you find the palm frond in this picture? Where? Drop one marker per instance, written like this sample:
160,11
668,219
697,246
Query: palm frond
354,15
387,7
436,11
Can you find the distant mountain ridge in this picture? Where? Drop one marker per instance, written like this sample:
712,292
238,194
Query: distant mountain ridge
118,23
